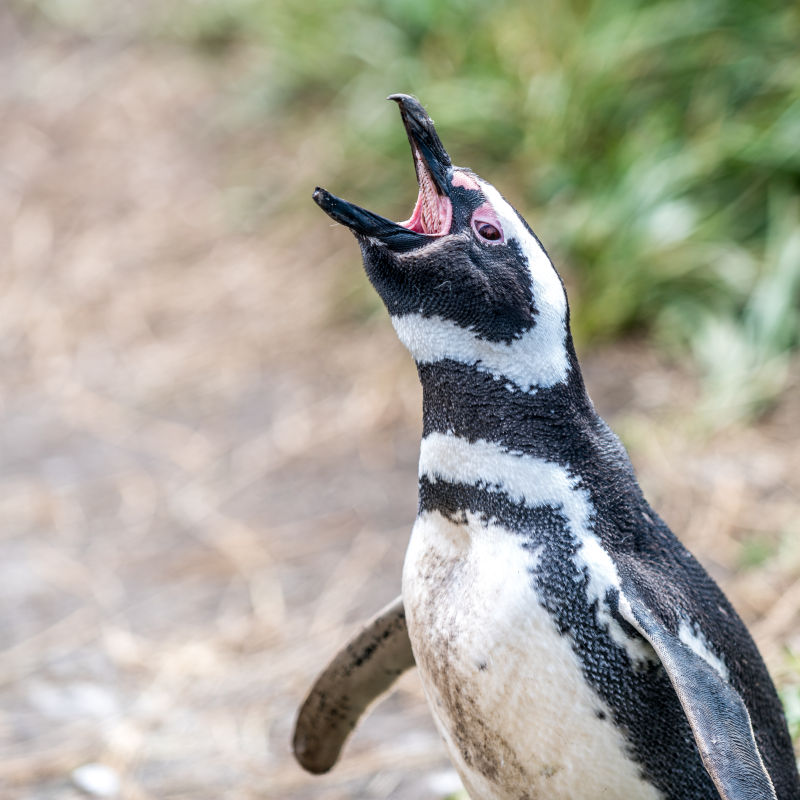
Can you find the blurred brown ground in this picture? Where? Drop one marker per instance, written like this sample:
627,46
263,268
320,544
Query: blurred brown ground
208,474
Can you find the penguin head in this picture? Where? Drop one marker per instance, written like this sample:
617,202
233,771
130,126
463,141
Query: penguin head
464,277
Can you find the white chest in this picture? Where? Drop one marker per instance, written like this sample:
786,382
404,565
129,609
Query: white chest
505,688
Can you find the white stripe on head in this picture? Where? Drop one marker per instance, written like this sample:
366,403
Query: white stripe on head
548,291
538,358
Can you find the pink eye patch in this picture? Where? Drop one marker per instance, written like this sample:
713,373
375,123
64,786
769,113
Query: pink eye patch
465,181
486,225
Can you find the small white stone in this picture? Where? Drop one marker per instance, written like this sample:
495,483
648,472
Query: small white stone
97,780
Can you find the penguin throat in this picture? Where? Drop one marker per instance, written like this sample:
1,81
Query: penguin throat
433,213
459,399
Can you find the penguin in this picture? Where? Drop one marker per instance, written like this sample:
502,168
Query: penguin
569,646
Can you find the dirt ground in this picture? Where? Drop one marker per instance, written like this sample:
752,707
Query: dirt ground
208,473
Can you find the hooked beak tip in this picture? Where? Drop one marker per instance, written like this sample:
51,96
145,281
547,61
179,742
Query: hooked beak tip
322,198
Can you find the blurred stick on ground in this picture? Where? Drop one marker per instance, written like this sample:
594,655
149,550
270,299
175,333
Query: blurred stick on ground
209,439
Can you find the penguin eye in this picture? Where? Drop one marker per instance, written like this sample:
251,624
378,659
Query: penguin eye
488,231
486,225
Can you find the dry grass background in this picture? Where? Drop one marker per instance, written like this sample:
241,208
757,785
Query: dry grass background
208,473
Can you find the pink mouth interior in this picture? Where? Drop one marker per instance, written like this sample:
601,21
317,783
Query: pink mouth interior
433,212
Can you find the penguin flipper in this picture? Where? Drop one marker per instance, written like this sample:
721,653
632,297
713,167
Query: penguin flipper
358,674
716,712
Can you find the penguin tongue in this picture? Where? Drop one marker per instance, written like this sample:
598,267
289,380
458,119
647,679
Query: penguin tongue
433,212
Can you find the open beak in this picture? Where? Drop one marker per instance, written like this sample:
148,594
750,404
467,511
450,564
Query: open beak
433,213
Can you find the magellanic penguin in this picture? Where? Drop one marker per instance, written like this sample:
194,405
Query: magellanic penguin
568,644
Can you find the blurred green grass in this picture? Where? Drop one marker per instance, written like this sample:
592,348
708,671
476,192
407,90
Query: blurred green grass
654,146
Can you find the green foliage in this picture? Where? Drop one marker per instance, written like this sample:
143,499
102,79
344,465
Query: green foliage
745,355
755,552
654,144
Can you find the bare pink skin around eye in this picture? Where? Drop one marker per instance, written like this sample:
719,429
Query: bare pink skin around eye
465,181
485,213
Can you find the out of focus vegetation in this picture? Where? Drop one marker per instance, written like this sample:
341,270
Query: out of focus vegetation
190,422
655,146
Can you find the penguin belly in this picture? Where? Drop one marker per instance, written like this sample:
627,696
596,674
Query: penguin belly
505,687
